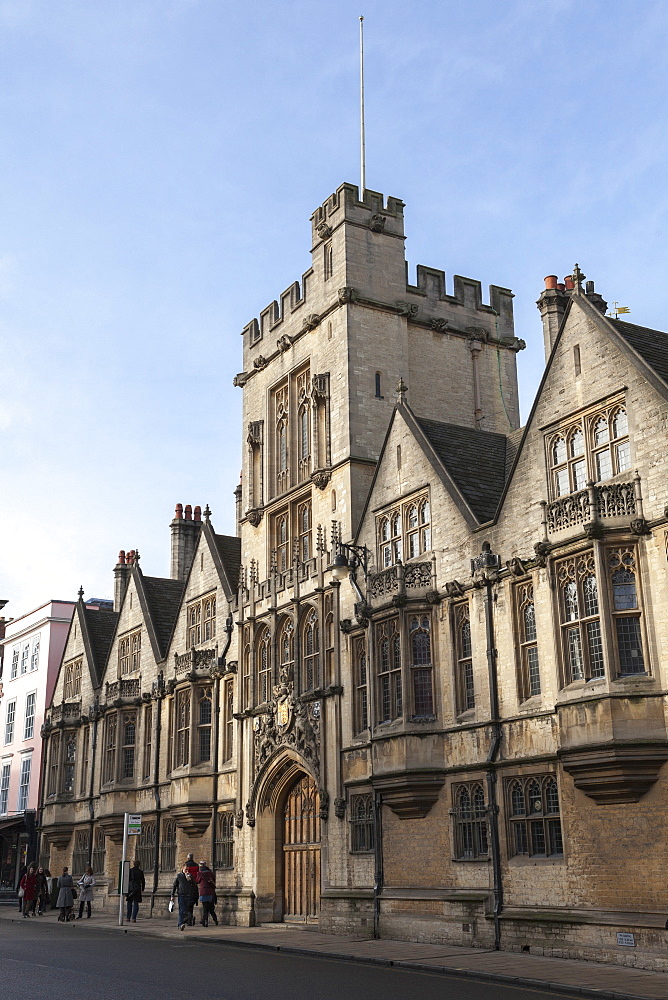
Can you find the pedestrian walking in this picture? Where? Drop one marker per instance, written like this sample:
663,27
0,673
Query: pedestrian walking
65,900
206,885
136,885
85,884
19,890
29,887
192,866
186,891
43,889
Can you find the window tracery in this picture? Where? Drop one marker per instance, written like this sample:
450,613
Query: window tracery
471,839
582,642
596,447
534,822
529,673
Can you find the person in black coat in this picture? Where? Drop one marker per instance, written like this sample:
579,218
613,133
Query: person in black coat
136,885
186,891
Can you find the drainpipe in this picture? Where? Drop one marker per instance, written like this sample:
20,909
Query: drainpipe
485,571
220,665
160,693
379,874
91,787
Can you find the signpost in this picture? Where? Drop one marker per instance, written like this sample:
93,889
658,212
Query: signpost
131,828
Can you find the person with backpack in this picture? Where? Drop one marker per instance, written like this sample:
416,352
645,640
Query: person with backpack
206,885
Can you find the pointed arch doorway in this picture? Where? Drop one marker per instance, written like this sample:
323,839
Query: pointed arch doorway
301,852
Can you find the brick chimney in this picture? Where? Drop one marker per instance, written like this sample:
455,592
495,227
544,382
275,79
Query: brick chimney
552,305
185,531
121,578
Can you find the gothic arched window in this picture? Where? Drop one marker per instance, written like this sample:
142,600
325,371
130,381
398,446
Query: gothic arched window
311,651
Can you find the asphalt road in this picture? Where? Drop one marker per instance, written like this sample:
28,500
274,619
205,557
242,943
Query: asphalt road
40,960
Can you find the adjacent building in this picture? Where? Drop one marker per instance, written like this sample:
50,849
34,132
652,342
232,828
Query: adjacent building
33,647
421,693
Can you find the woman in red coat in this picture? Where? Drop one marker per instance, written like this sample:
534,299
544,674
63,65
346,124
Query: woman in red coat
29,886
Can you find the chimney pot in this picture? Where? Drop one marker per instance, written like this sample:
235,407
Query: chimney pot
551,281
188,512
130,558
197,513
121,558
589,288
178,513
561,287
569,282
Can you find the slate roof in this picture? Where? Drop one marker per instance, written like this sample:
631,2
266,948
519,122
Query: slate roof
476,461
101,627
229,549
651,345
163,597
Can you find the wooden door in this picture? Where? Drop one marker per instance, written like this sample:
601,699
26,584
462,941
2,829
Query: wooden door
301,852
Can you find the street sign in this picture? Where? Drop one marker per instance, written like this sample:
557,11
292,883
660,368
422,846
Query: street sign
134,825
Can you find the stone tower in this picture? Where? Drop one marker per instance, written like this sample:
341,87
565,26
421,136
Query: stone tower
321,367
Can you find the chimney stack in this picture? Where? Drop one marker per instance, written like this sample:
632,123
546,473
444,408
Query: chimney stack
552,305
185,532
121,578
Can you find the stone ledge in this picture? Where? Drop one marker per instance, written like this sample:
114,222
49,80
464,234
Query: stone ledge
410,794
614,773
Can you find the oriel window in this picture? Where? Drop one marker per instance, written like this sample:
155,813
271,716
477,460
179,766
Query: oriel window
69,762
110,728
465,690
361,684
529,679
419,630
204,724
580,618
129,740
390,689
182,745
626,615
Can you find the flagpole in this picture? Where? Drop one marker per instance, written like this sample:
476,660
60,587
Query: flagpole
362,139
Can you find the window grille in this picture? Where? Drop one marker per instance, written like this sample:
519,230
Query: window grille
182,709
224,857
264,672
626,616
529,674
80,852
24,784
168,846
146,847
419,630
4,788
580,621
129,741
204,716
10,717
388,645
99,851
465,690
311,677
471,837
362,829
69,762
147,761
534,824
29,725
361,684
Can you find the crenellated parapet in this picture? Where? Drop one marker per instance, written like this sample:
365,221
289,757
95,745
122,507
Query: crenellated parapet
371,212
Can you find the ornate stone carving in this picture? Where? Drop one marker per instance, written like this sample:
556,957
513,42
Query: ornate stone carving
542,550
288,722
417,574
255,432
516,567
454,589
284,343
320,386
347,294
408,309
321,478
250,814
323,230
616,500
639,526
339,808
567,512
593,529
438,324
377,223
433,597
324,804
347,626
240,380
254,516
260,362
311,321
239,819
385,582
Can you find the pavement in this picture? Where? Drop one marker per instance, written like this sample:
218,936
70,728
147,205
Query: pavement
559,975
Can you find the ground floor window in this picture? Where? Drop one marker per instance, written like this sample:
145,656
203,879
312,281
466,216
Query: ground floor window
534,822
362,838
225,840
471,837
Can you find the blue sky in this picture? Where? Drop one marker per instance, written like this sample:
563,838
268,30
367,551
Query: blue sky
160,160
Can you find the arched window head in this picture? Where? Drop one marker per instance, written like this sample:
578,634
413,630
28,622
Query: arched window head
311,638
558,451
